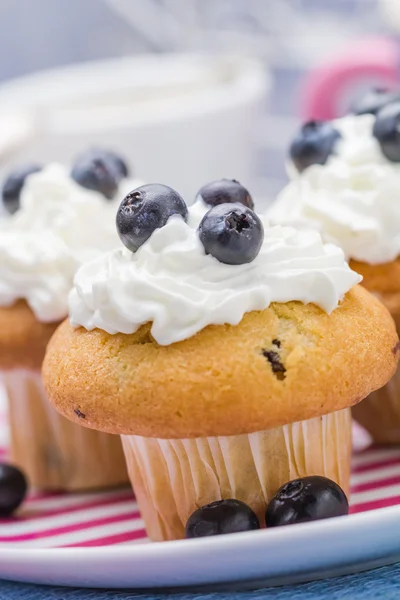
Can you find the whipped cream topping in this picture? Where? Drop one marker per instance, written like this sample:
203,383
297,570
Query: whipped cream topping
352,200
173,284
58,226
196,213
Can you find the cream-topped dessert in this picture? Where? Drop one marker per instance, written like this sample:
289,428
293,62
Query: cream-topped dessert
56,218
227,354
352,198
58,226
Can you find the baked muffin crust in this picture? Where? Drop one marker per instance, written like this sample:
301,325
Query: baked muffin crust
23,339
382,280
287,363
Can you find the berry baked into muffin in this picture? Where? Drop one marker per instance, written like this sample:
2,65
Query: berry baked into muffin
227,355
53,220
348,190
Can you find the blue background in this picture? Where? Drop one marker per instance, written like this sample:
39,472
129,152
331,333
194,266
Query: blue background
380,583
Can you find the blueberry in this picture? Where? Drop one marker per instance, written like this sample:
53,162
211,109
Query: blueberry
119,162
13,488
306,499
100,171
224,516
13,185
144,210
374,100
232,233
225,191
313,144
387,131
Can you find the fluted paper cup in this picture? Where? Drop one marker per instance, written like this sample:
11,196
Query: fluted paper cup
379,413
172,478
55,453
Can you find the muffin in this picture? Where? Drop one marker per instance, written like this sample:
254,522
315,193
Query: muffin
226,356
50,225
351,199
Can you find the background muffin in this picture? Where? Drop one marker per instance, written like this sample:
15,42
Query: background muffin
51,225
351,197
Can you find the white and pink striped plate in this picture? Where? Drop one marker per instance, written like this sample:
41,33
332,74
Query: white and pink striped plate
98,540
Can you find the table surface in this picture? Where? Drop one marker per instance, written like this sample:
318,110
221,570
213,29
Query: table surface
378,583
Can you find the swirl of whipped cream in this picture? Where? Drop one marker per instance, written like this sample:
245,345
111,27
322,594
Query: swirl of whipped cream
352,200
58,226
173,284
196,212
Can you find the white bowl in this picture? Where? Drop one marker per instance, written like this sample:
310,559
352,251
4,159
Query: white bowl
180,119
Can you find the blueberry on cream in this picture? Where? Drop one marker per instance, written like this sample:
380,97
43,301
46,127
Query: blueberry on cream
224,191
146,209
232,233
13,184
100,171
313,144
374,100
387,131
119,162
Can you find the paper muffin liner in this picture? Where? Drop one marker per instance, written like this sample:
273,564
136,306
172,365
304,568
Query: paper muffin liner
172,478
55,453
379,413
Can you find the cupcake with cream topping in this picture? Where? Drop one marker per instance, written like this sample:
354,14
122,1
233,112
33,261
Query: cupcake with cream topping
226,355
54,220
351,198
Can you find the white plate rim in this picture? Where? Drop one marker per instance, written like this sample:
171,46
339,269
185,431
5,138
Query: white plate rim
297,552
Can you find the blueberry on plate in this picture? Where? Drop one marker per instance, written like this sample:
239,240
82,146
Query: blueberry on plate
225,191
13,184
146,209
374,100
313,144
224,516
232,233
13,488
306,499
100,171
387,131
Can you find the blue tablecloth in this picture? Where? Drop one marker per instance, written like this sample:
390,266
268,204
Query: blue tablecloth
372,585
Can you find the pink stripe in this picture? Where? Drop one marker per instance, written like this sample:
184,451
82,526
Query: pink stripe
128,536
374,504
70,528
36,496
28,516
374,485
377,465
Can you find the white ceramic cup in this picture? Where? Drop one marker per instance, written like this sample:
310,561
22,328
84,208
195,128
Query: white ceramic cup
180,119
